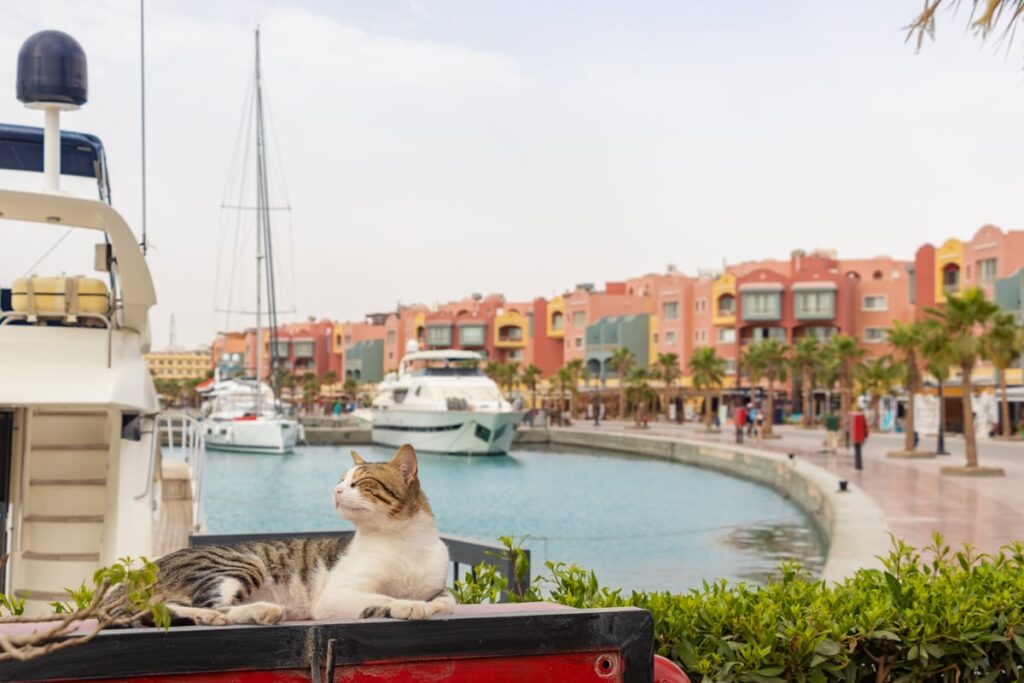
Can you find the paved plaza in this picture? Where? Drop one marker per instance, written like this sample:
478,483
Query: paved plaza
987,512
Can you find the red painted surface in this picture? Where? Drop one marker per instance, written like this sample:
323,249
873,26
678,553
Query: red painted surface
600,667
667,671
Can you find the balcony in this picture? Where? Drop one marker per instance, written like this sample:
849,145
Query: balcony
511,337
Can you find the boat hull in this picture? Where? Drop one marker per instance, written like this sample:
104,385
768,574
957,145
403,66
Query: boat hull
276,435
453,431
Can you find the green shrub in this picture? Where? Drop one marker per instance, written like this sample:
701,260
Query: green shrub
943,616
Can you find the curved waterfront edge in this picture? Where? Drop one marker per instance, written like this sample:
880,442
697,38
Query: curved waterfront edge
851,523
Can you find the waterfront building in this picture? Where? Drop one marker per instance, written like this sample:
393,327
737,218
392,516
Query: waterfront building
228,354
357,349
179,364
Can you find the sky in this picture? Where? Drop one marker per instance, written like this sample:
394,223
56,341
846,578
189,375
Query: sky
429,150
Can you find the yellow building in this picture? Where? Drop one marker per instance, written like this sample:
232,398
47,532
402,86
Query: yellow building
179,364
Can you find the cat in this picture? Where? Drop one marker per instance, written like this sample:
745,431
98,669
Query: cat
394,566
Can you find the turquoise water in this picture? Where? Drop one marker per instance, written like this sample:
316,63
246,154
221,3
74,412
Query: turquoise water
637,522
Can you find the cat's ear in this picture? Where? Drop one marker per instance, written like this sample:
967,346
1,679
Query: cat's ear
405,462
357,459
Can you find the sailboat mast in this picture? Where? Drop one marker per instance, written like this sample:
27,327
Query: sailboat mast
261,210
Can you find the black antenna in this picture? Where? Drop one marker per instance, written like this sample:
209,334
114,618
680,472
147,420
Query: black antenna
142,62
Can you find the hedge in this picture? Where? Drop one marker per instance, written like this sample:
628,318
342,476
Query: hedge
935,615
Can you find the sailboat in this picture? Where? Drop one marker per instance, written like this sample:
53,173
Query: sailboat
246,414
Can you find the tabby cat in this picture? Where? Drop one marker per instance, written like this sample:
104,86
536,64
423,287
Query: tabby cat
394,566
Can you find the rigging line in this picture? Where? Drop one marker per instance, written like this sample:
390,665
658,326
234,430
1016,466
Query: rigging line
48,252
240,234
142,114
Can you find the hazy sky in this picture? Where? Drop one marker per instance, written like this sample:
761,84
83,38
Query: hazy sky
433,149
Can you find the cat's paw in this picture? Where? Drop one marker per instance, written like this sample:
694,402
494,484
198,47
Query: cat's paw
442,605
264,613
210,617
410,609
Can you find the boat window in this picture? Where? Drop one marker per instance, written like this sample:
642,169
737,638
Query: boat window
400,394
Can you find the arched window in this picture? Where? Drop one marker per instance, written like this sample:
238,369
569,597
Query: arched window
557,321
726,305
877,275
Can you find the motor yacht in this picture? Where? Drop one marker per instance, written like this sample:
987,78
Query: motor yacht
441,401
81,463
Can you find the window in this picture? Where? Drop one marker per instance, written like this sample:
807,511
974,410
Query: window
726,335
670,337
987,271
557,321
762,305
726,305
670,310
951,278
472,335
348,339
510,333
655,337
814,305
730,366
874,335
515,354
820,332
579,319
700,336
439,335
578,342
304,348
875,302
392,337
337,340
700,305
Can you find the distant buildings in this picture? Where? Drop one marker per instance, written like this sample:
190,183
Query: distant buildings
179,364
810,294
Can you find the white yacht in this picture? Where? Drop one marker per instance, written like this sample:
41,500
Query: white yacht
81,463
441,401
242,415
245,415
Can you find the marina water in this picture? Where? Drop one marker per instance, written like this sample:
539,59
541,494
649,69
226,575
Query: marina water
639,523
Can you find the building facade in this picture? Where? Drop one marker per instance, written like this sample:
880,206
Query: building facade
180,364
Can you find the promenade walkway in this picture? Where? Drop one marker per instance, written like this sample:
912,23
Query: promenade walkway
917,500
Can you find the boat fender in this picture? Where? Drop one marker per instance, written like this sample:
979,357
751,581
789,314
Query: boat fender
667,671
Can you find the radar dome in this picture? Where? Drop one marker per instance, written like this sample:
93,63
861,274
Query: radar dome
52,70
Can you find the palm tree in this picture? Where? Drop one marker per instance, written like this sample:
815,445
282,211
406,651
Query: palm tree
767,359
965,319
992,14
877,378
1002,345
622,362
707,371
493,370
908,339
330,377
846,353
667,366
563,379
937,352
574,374
530,377
508,376
805,361
351,386
310,389
640,393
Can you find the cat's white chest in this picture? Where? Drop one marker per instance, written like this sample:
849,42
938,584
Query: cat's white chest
395,566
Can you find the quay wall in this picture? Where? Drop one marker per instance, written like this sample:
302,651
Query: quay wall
851,522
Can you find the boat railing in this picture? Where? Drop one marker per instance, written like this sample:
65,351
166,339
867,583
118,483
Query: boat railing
182,435
464,553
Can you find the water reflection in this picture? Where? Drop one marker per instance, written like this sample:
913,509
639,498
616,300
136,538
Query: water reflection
766,545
